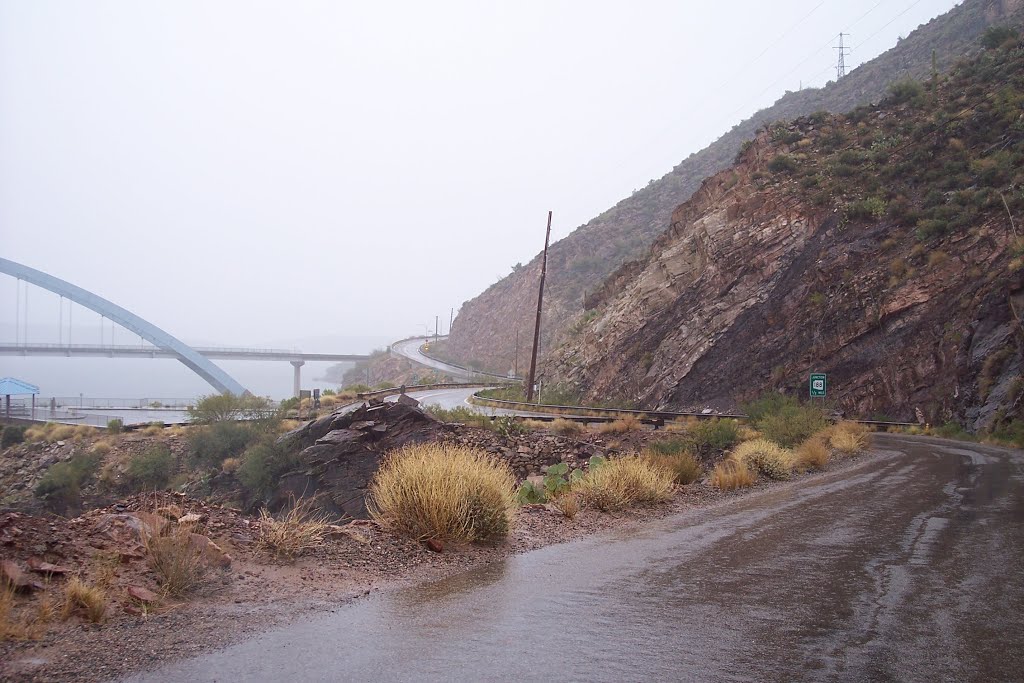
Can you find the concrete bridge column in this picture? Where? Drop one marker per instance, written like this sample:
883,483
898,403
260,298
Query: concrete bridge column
297,384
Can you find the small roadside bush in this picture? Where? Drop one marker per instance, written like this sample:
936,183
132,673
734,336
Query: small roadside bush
176,560
444,492
811,455
626,481
621,426
462,415
152,469
730,475
711,437
789,423
212,444
567,427
906,91
684,467
261,466
63,482
115,426
765,457
293,533
849,438
83,598
783,163
13,434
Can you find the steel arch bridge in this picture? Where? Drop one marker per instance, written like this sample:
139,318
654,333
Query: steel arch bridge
192,359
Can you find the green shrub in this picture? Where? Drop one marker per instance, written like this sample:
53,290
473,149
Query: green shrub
792,424
871,208
906,91
262,465
151,469
13,434
783,163
228,407
115,426
995,36
62,483
711,437
212,444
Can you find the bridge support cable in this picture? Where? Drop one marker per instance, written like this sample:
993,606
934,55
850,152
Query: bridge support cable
188,356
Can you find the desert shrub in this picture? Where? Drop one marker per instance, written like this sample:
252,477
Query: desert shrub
995,36
62,433
568,504
153,429
462,415
86,599
508,426
811,455
783,163
790,423
567,427
228,407
101,447
212,444
151,469
621,425
13,434
684,467
115,426
730,475
906,91
872,208
766,457
626,481
710,437
442,491
62,483
262,465
176,560
848,437
293,533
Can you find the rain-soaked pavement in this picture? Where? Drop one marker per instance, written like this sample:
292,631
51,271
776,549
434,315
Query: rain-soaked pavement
908,567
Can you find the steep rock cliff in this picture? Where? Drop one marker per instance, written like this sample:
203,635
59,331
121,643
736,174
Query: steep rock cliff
485,330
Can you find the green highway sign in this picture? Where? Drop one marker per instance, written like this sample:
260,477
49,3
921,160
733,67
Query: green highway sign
818,384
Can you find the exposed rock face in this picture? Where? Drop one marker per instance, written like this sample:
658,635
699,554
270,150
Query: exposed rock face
794,261
341,452
485,330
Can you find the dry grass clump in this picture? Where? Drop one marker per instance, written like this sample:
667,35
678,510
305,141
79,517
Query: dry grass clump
625,424
730,475
625,481
102,447
62,433
766,457
849,437
230,465
684,467
747,433
84,432
177,561
444,492
153,430
88,600
289,425
568,504
533,425
567,427
23,626
811,455
328,401
292,534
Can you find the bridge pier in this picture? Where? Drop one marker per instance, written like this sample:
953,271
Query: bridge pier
297,383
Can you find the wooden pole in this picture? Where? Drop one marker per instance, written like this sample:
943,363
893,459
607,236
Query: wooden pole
540,305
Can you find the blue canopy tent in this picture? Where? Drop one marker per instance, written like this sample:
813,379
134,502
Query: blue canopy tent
15,387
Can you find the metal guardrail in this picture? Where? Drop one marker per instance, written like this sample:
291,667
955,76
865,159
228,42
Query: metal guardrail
381,393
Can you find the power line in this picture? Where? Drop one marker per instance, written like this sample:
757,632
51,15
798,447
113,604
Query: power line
887,24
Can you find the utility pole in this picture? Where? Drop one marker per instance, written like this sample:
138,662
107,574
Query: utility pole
451,321
843,51
436,323
540,304
515,366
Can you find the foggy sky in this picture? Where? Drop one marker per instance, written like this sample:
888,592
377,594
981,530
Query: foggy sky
253,174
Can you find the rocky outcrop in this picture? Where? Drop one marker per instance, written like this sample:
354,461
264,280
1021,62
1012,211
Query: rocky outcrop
874,247
484,332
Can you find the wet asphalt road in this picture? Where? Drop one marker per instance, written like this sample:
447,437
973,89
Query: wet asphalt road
908,567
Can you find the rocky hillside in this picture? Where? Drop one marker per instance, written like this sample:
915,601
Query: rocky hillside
484,332
877,247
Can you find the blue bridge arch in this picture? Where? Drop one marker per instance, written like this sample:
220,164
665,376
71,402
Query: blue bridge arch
192,359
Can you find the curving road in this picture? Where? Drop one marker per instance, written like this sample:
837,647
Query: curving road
410,348
907,566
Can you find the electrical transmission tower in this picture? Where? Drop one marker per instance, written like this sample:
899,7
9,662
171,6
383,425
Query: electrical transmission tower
843,51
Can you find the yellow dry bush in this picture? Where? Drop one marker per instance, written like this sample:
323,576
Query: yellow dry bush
80,597
730,475
101,447
61,433
328,401
568,504
85,432
153,430
849,437
567,427
444,492
289,425
230,465
533,425
766,457
684,467
747,433
621,426
811,454
297,531
625,481
176,560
